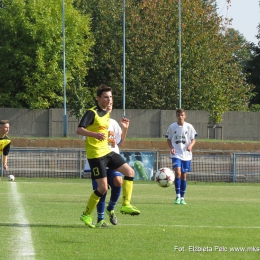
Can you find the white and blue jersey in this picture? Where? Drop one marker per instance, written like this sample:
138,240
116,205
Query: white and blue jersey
181,137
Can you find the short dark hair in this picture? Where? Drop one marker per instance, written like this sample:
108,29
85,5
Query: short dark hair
3,122
180,110
103,88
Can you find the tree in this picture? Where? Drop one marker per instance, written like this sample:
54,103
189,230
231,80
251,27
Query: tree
212,56
106,25
31,53
213,76
253,68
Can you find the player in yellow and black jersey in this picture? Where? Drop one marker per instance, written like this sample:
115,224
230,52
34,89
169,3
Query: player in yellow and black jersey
5,141
94,125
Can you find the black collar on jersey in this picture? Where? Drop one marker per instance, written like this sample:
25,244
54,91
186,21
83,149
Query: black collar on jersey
100,111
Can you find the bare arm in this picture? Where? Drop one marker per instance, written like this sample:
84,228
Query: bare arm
169,142
189,148
84,132
5,162
125,125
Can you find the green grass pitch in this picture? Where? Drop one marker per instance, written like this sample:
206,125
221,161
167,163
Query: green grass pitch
39,219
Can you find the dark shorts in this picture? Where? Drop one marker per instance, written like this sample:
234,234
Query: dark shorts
99,166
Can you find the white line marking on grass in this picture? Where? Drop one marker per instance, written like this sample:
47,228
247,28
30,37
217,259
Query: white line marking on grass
22,240
144,225
188,226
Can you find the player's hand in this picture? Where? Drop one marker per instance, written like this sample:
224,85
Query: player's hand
100,136
125,122
111,134
112,142
111,139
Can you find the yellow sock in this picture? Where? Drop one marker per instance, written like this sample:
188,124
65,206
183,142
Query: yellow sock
92,203
127,189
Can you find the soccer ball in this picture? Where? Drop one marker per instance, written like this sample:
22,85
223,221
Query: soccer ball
10,178
164,177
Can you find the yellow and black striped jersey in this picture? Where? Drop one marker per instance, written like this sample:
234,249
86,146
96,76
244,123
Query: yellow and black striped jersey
5,144
96,120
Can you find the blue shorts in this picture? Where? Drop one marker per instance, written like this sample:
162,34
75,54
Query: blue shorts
111,174
184,165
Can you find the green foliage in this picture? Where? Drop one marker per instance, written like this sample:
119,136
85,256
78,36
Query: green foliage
254,108
212,56
253,68
80,101
31,61
106,25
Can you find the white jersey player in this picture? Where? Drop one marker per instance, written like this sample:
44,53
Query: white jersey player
181,139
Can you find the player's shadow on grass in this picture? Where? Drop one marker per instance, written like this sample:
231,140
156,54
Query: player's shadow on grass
40,225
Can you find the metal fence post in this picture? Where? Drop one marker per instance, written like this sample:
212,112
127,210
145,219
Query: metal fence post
234,168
